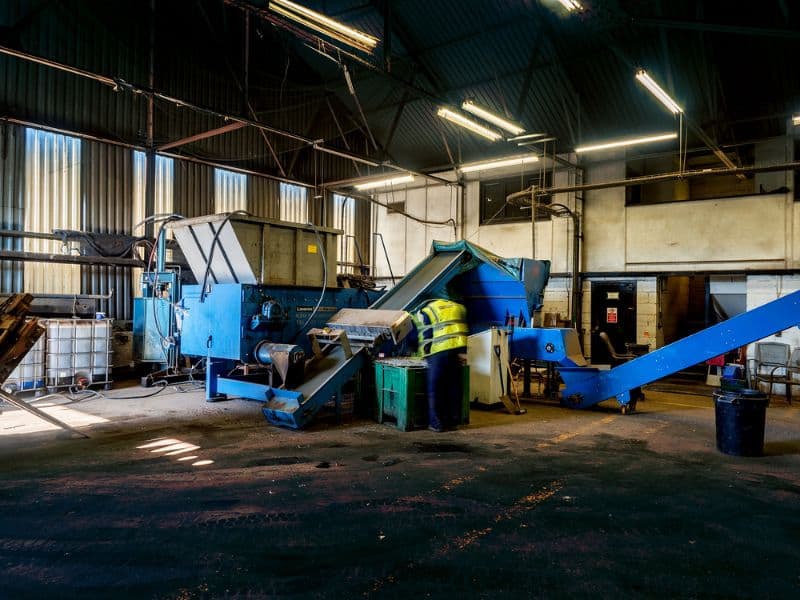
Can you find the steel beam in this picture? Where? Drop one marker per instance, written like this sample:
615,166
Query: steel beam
201,136
69,259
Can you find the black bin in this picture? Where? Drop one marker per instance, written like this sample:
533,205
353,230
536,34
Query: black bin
740,416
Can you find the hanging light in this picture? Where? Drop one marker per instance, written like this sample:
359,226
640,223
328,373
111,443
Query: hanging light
571,5
492,118
658,92
499,163
324,25
387,181
627,142
467,123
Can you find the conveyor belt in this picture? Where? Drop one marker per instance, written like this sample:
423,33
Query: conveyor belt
424,277
326,375
323,378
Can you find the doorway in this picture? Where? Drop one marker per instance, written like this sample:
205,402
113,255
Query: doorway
613,311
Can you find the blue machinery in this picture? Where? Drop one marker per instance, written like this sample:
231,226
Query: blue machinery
271,333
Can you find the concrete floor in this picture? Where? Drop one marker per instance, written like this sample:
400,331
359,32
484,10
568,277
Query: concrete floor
554,503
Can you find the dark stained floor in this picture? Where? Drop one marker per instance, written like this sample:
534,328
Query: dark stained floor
554,503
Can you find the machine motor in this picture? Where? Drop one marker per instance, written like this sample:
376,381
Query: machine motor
287,360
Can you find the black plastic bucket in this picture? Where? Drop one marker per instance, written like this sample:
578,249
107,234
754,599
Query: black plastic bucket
731,384
740,416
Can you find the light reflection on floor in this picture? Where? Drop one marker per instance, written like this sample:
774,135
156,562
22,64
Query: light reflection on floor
174,447
17,422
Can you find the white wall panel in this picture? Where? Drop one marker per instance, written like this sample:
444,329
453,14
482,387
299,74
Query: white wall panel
748,229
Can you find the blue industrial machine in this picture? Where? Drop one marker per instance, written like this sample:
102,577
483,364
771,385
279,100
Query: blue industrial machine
154,336
263,286
273,326
588,386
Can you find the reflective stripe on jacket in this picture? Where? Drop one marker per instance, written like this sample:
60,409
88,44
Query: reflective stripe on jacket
441,325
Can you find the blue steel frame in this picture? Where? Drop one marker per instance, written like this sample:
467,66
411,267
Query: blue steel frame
588,386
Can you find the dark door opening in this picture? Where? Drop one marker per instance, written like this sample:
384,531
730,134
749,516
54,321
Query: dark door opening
613,311
684,306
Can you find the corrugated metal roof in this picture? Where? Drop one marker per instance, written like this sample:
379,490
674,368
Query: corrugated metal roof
568,75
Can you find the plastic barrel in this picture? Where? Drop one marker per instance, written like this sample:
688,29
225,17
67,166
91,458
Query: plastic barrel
730,384
740,416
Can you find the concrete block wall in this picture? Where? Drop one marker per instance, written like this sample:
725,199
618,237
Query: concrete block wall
647,312
557,296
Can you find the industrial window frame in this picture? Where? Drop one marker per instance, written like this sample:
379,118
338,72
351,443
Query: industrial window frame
344,218
52,200
293,203
647,194
164,199
494,191
230,191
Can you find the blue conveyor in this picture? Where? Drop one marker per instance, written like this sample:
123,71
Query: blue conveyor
586,386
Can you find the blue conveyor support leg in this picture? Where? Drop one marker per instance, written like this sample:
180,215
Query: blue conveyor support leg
587,386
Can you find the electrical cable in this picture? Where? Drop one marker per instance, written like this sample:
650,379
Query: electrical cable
214,243
165,341
446,223
324,281
164,385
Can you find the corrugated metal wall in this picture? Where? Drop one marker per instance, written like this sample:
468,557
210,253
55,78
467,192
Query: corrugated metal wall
199,64
12,198
107,206
194,189
363,228
52,201
263,197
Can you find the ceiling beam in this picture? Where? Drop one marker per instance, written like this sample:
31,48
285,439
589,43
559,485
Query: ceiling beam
202,136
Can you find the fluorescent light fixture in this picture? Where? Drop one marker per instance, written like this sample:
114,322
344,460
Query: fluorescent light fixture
466,123
527,136
628,142
471,107
796,119
536,141
502,162
658,92
371,185
570,5
325,25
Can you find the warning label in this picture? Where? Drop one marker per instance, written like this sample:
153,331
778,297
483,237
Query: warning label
611,315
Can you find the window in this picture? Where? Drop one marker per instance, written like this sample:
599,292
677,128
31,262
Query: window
164,203
494,208
344,218
230,191
293,203
695,188
52,201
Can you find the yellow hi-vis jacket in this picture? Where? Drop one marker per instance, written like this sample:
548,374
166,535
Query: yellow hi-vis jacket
441,325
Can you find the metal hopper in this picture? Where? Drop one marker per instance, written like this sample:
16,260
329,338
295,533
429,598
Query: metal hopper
258,251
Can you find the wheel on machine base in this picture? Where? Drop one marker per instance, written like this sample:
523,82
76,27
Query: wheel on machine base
627,409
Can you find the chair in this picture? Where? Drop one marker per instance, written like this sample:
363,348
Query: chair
774,362
616,357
